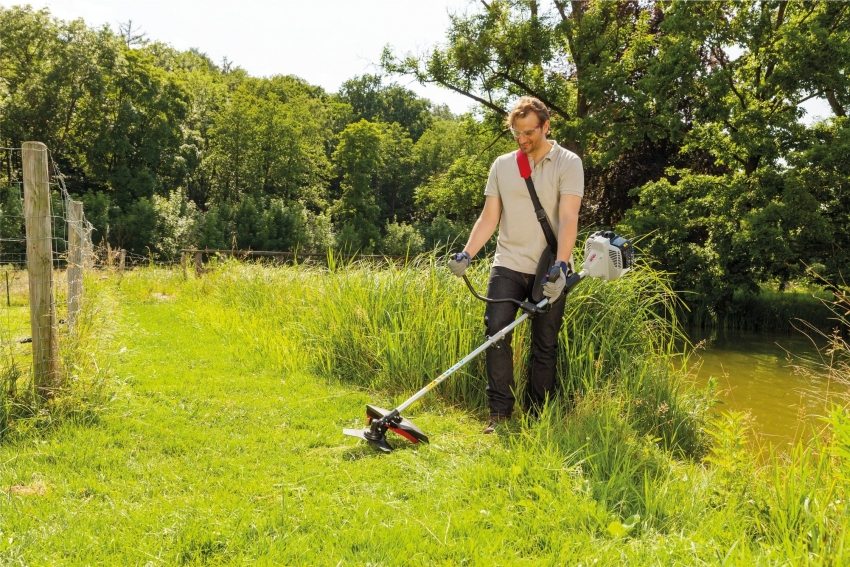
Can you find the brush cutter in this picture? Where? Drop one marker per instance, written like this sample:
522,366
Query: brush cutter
606,256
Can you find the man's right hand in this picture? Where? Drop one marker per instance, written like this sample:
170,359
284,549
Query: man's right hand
458,263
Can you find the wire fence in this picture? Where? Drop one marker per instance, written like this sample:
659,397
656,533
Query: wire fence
13,241
45,246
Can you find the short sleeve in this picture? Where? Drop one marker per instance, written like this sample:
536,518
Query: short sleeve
571,179
492,188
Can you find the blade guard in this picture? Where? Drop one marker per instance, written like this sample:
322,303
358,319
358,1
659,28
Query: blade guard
399,425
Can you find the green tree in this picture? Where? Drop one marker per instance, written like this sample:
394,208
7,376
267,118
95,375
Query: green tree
261,144
12,229
229,160
458,193
98,208
744,127
358,158
135,227
251,230
723,235
215,228
286,226
371,100
207,89
402,239
396,173
822,170
684,224
817,63
590,62
454,158
445,140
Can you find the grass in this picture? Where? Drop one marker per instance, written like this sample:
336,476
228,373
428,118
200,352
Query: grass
214,437
768,310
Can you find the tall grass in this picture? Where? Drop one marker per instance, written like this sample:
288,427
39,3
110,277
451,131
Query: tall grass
85,384
624,410
766,310
394,329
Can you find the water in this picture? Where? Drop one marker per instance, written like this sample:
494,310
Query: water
760,374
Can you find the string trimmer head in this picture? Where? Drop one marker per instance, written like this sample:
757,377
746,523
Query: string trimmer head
379,420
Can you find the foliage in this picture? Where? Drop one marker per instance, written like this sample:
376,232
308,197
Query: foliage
177,218
12,246
357,211
402,240
728,233
687,225
443,234
266,143
822,170
371,100
711,89
137,226
458,193
251,225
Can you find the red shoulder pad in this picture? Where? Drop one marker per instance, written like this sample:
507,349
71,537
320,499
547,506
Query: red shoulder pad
524,164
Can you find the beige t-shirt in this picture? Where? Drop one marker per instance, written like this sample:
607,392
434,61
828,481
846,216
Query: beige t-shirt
521,240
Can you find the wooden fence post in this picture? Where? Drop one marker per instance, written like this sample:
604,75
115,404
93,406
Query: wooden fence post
40,268
122,259
76,235
88,247
184,263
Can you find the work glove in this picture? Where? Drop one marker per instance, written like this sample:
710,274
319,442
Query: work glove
556,279
458,263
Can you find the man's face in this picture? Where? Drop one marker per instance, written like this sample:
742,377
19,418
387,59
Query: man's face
529,133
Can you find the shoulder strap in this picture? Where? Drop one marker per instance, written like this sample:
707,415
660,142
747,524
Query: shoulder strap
525,173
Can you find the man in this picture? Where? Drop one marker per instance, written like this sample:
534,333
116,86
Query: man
559,182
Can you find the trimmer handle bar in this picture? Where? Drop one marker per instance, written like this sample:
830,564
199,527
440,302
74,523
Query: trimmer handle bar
528,306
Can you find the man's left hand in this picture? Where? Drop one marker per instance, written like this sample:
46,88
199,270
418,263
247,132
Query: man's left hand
556,279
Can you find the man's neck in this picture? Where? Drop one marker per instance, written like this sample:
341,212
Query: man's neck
545,148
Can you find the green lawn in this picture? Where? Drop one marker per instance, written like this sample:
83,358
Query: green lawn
220,442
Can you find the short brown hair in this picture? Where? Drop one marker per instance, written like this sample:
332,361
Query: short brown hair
528,105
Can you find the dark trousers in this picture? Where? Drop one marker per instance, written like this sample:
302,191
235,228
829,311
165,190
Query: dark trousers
545,327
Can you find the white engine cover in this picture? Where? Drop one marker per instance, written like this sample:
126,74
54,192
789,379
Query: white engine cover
602,259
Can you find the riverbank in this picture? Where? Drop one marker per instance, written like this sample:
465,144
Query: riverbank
768,311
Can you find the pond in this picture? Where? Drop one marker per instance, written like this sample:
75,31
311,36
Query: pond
761,374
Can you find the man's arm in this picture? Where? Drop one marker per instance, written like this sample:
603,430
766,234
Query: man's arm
485,226
568,209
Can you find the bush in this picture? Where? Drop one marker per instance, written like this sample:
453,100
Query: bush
176,227
402,239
